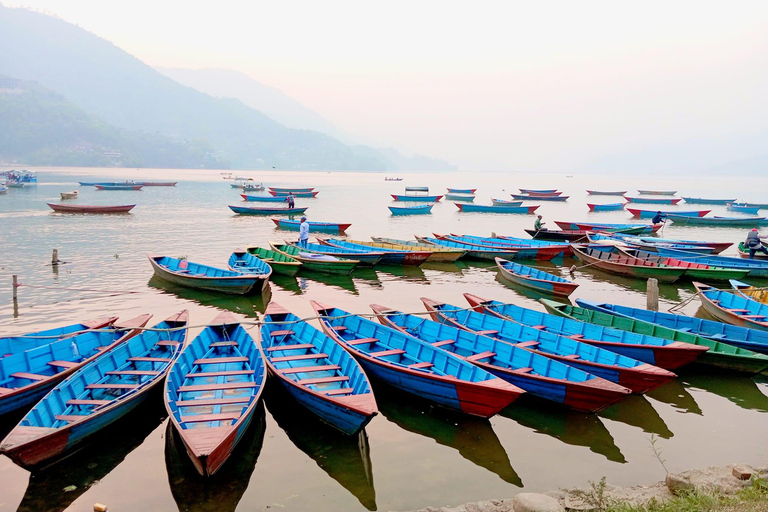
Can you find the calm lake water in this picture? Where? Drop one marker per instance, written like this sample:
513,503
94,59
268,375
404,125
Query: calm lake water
411,455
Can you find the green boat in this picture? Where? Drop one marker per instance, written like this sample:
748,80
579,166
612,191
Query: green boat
695,271
316,262
280,263
720,355
608,259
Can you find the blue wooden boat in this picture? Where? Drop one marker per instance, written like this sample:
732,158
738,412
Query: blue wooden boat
246,263
294,194
654,200
750,339
126,186
526,249
334,228
472,250
462,190
260,210
657,192
316,371
635,375
535,279
646,243
732,308
389,256
19,343
605,207
649,214
541,376
264,199
702,200
757,268
538,191
718,221
365,258
212,390
195,275
411,210
606,193
460,197
537,197
419,198
657,351
484,208
25,377
504,202
635,229
96,395
417,367
743,208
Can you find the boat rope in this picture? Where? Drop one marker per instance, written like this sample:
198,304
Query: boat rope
683,303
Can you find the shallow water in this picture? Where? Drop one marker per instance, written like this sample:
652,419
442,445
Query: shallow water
412,455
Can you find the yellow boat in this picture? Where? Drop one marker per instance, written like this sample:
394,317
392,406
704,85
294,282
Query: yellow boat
750,292
439,254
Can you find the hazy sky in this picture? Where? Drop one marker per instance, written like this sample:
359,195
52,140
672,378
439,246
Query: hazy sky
486,85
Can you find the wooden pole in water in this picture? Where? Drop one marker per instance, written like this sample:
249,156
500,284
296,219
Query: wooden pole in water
15,297
652,298
55,257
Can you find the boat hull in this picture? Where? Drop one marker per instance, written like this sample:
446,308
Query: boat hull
556,288
314,227
495,209
232,285
68,208
421,199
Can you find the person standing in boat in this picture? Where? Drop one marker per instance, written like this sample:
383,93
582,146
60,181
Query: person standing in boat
303,232
290,200
538,225
658,218
754,244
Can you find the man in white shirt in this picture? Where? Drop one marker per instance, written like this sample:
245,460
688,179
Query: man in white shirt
303,232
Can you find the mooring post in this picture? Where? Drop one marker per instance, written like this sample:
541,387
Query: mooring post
55,257
652,299
15,297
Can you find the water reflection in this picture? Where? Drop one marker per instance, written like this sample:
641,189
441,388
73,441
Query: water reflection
92,463
571,427
246,305
675,394
472,437
442,266
524,292
742,391
637,411
287,283
410,273
223,491
346,459
667,291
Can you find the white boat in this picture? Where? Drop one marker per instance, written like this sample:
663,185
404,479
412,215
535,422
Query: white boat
69,195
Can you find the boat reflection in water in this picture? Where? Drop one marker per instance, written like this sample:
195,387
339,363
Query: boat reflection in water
675,394
471,436
221,492
527,293
346,459
742,391
571,427
247,305
85,467
637,411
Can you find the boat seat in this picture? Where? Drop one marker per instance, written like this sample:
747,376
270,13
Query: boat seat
5,391
339,328
216,387
95,403
489,331
572,356
29,376
70,418
339,391
481,355
523,370
299,346
442,343
281,333
753,316
63,364
542,327
223,344
307,369
421,366
203,418
525,344
168,343
111,386
323,380
221,360
362,341
394,351
208,402
737,310
299,357
133,372
576,336
201,375
150,359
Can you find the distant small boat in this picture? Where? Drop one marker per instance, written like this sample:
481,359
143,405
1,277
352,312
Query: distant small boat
701,200
538,197
504,202
460,197
3,189
655,200
69,195
81,208
743,208
605,207
538,191
333,228
253,187
718,221
657,192
264,199
411,210
119,187
419,198
280,263
278,193
15,184
634,229
194,275
257,210
292,189
606,193
649,214
535,279
462,190
157,183
393,179
463,207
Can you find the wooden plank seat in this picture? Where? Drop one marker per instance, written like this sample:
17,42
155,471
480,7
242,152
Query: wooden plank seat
323,380
308,369
221,360
167,343
149,359
339,328
421,366
481,355
299,357
201,375
339,391
393,352
443,343
576,336
62,364
753,316
489,331
281,333
572,356
5,391
217,387
133,372
113,385
70,418
523,370
223,344
529,343
29,376
84,401
542,327
208,402
737,310
204,418
362,341
299,346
